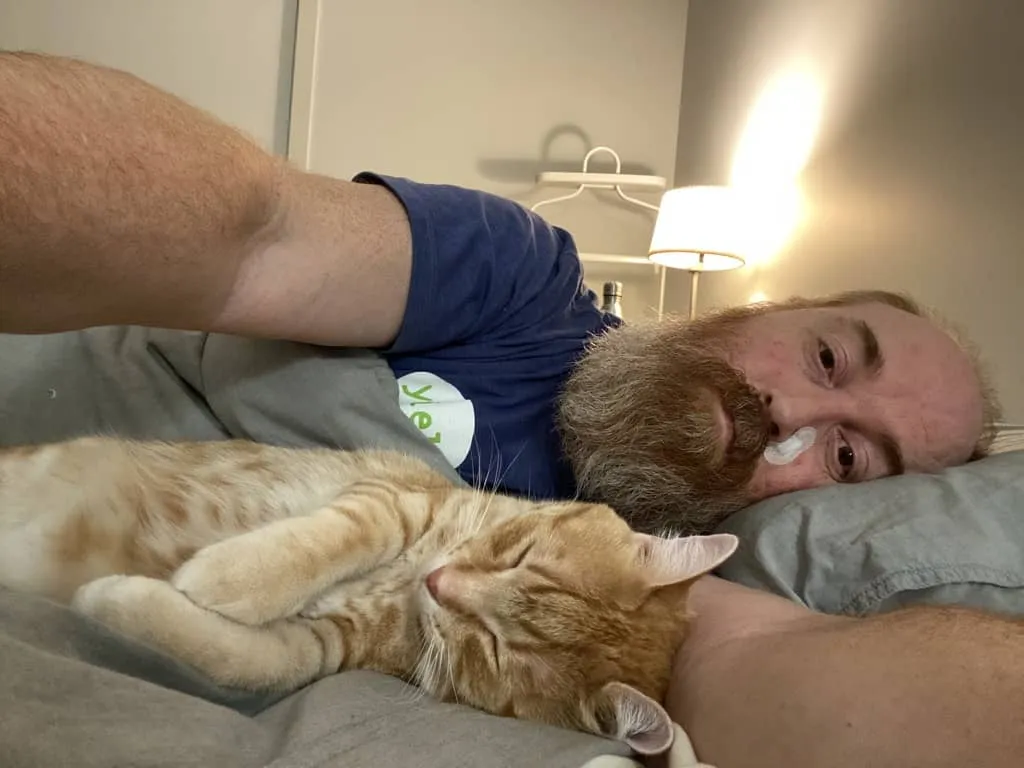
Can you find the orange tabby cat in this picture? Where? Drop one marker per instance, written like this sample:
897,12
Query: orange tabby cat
267,568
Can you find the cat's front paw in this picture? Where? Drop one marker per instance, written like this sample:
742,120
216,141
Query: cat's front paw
232,579
120,602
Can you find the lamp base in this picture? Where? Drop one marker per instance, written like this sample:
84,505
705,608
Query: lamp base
694,282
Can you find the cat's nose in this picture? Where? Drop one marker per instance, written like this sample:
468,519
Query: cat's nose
433,582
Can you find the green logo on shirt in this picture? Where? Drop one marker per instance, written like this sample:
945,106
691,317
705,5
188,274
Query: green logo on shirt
422,419
439,411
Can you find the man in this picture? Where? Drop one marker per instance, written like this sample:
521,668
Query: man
121,206
176,222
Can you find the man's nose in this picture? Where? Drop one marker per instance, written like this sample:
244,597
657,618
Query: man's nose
788,413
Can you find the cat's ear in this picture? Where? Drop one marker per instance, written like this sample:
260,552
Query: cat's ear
672,560
625,714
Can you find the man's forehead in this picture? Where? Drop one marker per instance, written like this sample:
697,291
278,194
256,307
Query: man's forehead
882,313
885,323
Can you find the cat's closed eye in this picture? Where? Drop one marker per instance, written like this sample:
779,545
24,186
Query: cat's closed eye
495,654
522,555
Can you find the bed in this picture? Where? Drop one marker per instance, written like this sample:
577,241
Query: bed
75,694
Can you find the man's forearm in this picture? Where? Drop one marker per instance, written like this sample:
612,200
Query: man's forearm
121,204
922,687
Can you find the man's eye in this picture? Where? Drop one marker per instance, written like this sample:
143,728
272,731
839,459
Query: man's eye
827,357
847,460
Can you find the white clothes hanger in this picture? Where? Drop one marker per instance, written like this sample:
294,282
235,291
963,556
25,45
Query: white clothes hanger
617,182
586,179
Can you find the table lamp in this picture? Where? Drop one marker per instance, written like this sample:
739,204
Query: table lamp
700,229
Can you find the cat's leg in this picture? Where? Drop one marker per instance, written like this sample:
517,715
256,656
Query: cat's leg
281,656
274,571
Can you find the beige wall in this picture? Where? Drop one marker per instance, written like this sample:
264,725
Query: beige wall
231,57
487,94
916,178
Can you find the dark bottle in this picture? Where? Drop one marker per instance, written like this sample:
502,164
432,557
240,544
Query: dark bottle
612,301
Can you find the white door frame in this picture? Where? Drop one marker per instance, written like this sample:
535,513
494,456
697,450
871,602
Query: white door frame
300,113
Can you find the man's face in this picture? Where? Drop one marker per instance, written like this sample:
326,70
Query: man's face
884,390
669,424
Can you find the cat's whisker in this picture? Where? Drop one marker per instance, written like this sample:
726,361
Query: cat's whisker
500,472
480,513
451,673
485,484
478,458
408,694
429,668
422,662
508,469
419,672
482,483
487,489
490,493
439,676
411,695
415,693
460,529
425,671
468,518
495,460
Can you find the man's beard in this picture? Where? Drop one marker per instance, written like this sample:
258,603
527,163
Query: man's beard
638,419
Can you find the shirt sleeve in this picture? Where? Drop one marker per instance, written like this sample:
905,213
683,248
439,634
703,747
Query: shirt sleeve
482,267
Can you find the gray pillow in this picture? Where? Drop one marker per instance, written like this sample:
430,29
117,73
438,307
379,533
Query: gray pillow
956,537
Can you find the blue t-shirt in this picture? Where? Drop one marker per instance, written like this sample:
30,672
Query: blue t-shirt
496,316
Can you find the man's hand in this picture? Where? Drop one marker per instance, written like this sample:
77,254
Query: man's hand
764,682
121,204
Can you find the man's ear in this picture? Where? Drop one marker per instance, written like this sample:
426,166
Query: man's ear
670,561
623,713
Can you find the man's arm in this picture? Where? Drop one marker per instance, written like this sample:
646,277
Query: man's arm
763,682
121,204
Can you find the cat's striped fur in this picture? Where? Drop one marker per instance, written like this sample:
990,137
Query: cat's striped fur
268,568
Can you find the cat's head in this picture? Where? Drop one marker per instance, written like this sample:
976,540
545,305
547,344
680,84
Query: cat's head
563,615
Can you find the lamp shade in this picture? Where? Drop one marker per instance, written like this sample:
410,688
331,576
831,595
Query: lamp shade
700,229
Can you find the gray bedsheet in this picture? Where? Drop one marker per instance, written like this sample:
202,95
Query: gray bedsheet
75,694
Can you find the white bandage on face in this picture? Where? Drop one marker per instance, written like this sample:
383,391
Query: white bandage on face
787,451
